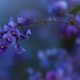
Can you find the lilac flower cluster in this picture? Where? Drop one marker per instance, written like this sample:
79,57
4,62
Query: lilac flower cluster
11,33
63,67
50,56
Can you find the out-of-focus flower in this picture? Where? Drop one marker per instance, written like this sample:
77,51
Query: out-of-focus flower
58,8
23,21
67,31
51,75
60,74
30,71
71,29
52,52
77,41
2,47
41,55
34,75
10,40
19,48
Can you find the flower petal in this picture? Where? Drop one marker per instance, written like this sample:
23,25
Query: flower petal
5,36
6,27
17,32
12,24
21,20
11,19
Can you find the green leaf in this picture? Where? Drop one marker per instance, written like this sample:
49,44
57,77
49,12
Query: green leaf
75,10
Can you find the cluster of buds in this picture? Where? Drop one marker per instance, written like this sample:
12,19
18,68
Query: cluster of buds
11,33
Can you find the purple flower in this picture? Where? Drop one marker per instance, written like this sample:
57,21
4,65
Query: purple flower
9,39
28,33
41,55
58,8
51,75
12,23
30,71
2,47
67,31
23,21
11,19
20,49
72,29
77,41
22,37
6,27
14,31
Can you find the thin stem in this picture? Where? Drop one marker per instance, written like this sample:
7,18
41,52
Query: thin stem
44,22
74,18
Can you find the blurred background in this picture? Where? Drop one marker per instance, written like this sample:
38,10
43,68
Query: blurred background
53,50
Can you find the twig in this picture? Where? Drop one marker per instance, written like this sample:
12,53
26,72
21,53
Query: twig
44,22
74,18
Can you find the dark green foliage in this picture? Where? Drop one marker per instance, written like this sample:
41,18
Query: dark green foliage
75,10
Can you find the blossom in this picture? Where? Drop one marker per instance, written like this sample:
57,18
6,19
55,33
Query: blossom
22,37
77,41
2,47
12,23
68,31
30,71
71,29
28,33
14,31
51,75
58,8
10,40
19,48
23,21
